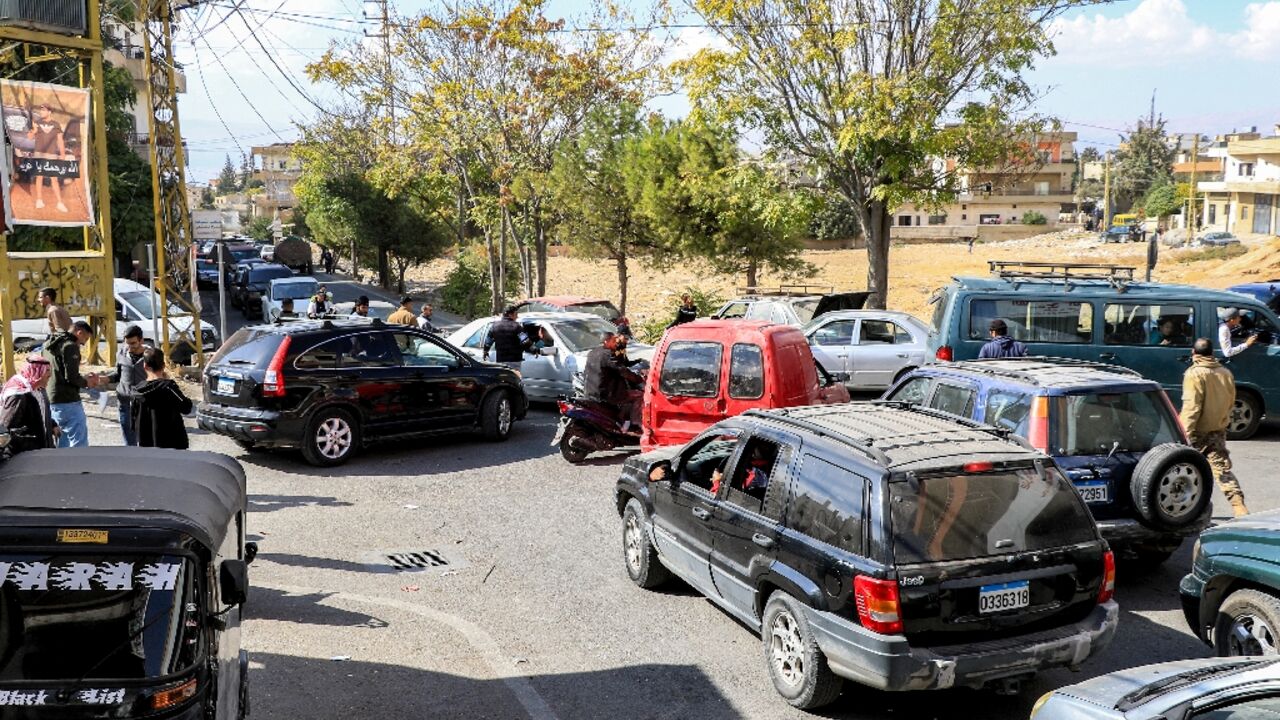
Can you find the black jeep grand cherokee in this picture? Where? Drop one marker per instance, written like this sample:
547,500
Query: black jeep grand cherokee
329,387
901,548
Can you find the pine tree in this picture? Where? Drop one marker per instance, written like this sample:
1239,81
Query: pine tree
246,172
1144,161
227,178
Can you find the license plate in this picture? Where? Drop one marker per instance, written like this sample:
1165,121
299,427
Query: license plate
225,386
1093,492
559,434
1006,596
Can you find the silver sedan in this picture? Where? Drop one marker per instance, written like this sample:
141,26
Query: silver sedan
868,349
562,339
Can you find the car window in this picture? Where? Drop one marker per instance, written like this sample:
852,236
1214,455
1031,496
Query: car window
746,372
913,391
691,369
878,332
837,332
778,314
827,504
1156,325
579,334
604,310
477,338
294,290
418,351
805,309
1252,322
955,517
248,348
705,458
1010,410
1258,708
735,310
1089,424
752,474
352,351
953,399
939,303
760,310
1048,321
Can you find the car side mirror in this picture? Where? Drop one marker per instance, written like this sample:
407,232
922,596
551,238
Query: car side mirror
250,552
547,351
233,581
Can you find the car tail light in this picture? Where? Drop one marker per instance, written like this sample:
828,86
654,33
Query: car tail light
564,406
1108,589
175,695
878,606
1038,431
1174,412
273,382
978,467
945,354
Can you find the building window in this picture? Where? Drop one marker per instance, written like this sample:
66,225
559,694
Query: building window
1042,188
937,219
1244,212
1213,214
904,220
1246,169
1015,206
964,217
964,207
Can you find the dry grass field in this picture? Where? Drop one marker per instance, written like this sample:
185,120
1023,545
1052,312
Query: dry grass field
915,270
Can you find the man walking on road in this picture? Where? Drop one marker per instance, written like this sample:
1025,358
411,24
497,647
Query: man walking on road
128,376
361,308
64,401
424,319
508,338
1226,330
403,316
1001,345
59,318
1208,394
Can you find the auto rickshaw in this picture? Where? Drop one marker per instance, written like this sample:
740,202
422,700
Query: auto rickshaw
124,573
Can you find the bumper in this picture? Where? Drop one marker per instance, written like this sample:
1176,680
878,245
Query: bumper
259,426
888,662
1130,530
1190,590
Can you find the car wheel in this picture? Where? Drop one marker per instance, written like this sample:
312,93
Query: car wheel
1248,624
643,566
796,664
333,435
1171,486
496,415
567,450
1246,416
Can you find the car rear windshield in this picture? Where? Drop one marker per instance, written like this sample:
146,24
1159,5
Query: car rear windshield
956,517
294,290
263,273
1093,423
96,616
248,348
582,334
604,309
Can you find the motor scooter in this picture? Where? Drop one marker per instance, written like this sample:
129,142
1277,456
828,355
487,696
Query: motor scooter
588,426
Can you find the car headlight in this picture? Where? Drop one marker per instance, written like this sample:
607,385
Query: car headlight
1040,703
1195,553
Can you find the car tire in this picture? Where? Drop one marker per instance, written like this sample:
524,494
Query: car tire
1248,623
497,416
569,452
638,554
332,437
1171,486
1246,416
796,665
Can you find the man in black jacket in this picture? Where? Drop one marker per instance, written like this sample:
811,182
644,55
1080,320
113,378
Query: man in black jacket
607,379
128,376
63,352
687,312
508,338
159,406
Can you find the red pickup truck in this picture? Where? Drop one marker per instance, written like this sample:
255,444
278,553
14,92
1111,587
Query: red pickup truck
707,370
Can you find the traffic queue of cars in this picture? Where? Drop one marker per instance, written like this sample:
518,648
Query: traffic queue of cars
964,531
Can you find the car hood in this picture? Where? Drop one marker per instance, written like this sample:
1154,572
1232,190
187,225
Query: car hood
1110,690
635,351
1266,521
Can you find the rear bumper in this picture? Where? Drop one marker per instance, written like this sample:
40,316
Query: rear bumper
1123,530
888,662
264,427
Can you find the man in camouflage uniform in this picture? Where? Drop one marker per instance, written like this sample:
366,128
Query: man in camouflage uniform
1208,394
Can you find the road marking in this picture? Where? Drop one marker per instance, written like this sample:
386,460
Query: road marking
502,666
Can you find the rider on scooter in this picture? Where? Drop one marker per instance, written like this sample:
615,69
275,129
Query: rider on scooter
607,379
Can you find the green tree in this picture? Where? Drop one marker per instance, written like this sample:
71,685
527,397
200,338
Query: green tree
1144,161
870,93
1090,154
260,229
1163,200
206,199
227,180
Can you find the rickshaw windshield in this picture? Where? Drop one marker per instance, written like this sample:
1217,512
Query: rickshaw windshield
73,616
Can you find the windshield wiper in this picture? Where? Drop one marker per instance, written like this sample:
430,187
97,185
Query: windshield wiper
1139,696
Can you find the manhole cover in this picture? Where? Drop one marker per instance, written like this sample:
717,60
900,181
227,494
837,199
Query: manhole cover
413,560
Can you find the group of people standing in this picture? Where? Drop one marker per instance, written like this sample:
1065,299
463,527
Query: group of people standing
40,406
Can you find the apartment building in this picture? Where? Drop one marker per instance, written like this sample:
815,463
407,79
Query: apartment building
1246,201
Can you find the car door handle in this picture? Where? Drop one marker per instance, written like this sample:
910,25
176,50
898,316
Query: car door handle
1107,356
763,541
701,513
903,355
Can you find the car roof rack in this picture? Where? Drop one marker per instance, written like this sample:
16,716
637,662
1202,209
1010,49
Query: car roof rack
786,290
1014,270
1045,361
861,445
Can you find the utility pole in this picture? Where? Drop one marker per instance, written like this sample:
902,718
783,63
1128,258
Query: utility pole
388,77
1106,193
1192,215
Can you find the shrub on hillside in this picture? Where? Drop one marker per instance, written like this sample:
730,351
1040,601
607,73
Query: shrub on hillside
1034,217
466,289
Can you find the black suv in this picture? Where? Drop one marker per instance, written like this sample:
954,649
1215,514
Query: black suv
328,387
251,283
898,547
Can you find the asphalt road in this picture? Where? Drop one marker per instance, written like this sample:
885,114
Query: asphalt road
533,615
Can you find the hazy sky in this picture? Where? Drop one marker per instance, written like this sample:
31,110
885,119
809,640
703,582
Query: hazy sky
1213,65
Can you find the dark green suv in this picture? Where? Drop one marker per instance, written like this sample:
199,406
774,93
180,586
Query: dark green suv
1232,595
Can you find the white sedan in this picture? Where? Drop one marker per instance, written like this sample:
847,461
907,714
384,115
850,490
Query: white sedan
298,289
567,338
868,349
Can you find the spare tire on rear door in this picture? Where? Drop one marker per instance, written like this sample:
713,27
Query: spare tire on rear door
1171,486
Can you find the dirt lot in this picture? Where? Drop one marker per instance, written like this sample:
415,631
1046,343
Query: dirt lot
915,270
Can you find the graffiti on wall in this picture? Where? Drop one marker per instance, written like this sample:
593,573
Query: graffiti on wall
84,283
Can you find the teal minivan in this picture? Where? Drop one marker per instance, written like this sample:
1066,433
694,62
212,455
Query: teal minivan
1099,313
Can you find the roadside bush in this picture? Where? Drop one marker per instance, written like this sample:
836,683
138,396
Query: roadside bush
466,290
650,331
1226,252
1034,217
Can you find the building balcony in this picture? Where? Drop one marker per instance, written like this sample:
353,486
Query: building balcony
1253,148
1014,194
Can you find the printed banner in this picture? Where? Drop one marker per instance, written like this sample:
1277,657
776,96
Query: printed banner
48,129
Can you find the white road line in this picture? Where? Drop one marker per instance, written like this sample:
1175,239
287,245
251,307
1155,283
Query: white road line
502,666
